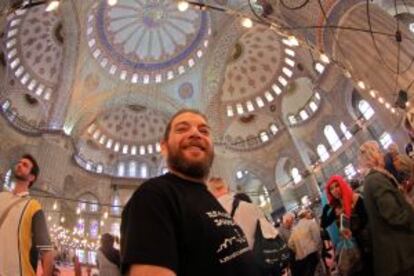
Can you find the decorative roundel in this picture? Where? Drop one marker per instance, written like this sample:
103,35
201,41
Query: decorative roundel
146,41
186,91
34,46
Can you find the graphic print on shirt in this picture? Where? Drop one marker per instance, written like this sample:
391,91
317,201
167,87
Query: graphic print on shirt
231,246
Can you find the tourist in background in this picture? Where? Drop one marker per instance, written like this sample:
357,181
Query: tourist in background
24,235
285,229
305,241
390,216
108,258
348,206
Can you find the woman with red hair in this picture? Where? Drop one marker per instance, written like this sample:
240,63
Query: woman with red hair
348,211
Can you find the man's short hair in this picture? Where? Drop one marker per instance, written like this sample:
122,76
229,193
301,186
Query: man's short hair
181,111
288,216
303,213
35,167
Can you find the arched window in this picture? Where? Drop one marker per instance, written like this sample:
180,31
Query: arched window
345,131
144,170
313,106
116,202
295,175
264,137
88,203
350,171
366,109
121,169
94,228
273,129
264,198
132,169
99,168
319,67
332,137
92,257
94,207
386,140
322,152
80,253
81,227
303,115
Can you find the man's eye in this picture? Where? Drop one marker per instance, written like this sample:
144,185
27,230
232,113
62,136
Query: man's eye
181,129
205,131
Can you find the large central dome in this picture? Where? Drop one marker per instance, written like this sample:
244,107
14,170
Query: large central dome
146,41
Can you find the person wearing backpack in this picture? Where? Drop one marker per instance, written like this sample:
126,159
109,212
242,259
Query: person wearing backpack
259,232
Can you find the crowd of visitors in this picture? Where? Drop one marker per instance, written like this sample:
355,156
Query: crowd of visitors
186,222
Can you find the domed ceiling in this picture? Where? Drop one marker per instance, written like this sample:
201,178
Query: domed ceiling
297,96
260,64
251,131
147,48
34,49
131,125
146,41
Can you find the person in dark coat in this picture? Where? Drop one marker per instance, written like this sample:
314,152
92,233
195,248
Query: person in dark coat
391,218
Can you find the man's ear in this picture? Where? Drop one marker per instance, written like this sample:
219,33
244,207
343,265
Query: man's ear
31,178
164,149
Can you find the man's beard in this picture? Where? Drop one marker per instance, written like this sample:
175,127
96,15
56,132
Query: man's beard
195,169
17,176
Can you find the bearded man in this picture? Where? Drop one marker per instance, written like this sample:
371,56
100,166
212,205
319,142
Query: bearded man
23,229
172,225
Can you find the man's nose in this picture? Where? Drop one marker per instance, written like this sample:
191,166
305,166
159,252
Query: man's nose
194,132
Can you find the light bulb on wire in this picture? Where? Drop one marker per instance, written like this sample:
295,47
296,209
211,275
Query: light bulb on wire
183,6
112,2
246,22
52,6
324,58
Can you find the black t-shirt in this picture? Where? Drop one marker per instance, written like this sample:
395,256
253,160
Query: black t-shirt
177,224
